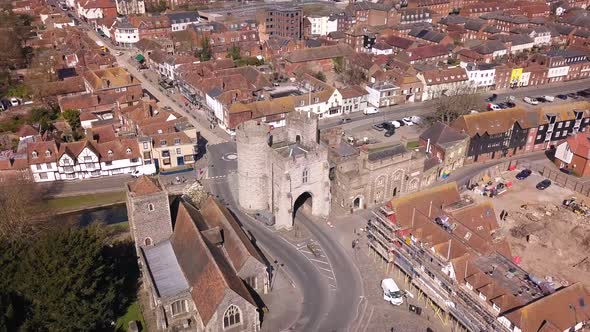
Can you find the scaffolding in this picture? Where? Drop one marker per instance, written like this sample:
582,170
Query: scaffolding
423,271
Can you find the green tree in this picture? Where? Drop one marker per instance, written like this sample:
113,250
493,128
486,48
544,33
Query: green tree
320,76
205,53
72,117
338,63
234,52
69,281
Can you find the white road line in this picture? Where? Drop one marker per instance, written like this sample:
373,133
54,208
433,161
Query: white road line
330,278
321,268
319,261
332,286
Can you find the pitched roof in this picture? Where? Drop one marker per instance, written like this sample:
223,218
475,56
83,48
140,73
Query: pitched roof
442,135
46,152
204,265
123,148
319,53
489,47
352,92
443,76
165,270
561,310
430,51
27,130
579,144
492,122
145,185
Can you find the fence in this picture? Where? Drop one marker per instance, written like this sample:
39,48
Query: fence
557,177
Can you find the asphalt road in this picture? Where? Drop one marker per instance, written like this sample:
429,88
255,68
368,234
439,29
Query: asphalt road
425,108
323,309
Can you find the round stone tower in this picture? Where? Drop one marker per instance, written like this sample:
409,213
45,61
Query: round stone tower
253,160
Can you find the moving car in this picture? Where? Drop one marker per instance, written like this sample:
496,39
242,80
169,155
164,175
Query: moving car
408,121
391,292
530,100
543,184
525,173
370,110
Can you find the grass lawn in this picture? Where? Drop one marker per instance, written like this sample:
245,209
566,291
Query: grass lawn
413,145
64,204
133,313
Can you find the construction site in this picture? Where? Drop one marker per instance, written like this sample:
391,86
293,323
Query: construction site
471,267
548,230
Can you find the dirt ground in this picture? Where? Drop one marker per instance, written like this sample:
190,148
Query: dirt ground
553,242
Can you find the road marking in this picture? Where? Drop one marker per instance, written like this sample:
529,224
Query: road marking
319,261
321,268
310,253
330,278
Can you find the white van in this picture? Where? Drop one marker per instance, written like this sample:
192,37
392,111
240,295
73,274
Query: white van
392,293
370,110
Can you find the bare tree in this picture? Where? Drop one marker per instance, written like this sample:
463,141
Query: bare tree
451,103
19,201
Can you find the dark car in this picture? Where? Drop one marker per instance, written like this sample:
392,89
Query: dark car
566,170
345,120
378,126
584,93
543,184
389,132
492,98
573,95
563,97
502,105
541,99
510,104
523,174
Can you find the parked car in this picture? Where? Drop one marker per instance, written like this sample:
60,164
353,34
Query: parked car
541,99
492,98
14,101
502,106
401,123
525,173
389,132
549,98
370,110
510,104
408,121
562,97
416,119
573,95
345,120
584,93
378,127
544,184
396,124
530,100
566,170
493,107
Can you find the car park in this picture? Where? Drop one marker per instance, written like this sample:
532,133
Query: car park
562,96
530,100
543,184
525,173
408,121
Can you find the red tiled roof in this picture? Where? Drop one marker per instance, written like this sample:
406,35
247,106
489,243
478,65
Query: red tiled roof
580,144
145,185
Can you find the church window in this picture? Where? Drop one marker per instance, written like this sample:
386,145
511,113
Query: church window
305,176
231,317
179,307
151,207
147,241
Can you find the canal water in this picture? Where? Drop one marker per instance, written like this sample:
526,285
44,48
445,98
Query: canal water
108,215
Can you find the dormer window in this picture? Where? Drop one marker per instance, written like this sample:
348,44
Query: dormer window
47,153
163,142
177,141
110,152
34,154
128,150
